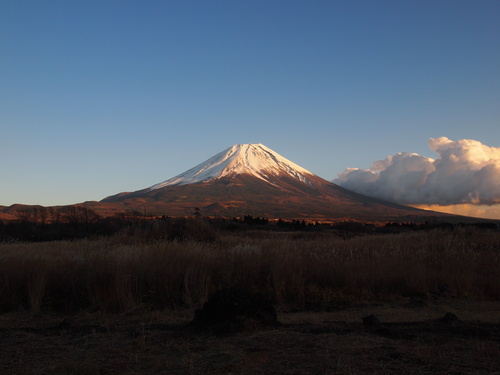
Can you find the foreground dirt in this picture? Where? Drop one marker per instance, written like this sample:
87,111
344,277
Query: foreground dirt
411,338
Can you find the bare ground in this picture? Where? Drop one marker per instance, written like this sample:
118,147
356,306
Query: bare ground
411,339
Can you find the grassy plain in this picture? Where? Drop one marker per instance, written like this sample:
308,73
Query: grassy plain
120,304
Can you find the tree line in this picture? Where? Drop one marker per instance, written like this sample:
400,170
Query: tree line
38,223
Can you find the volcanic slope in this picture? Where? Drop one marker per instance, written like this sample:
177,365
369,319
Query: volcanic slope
251,179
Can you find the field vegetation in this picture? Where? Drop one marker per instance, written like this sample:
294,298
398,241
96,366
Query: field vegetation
115,296
141,267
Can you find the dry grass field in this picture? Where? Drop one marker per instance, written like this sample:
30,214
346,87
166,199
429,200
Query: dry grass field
120,305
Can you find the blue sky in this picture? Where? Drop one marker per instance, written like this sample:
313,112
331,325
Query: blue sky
99,97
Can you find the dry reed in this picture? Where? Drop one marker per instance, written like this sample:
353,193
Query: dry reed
118,274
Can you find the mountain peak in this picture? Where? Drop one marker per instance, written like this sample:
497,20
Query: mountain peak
254,159
251,179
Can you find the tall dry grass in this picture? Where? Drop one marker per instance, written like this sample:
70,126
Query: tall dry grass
118,274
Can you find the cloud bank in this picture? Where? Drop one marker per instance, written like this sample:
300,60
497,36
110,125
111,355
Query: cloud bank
465,172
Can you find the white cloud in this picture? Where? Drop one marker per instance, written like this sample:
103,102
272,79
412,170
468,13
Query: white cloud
466,172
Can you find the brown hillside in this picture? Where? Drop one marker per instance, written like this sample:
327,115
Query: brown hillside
282,197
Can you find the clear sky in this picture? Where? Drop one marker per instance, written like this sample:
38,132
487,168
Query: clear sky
100,97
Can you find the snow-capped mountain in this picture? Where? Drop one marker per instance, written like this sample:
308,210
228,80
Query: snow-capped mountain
251,179
252,159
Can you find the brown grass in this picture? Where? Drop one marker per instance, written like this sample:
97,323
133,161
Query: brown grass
119,274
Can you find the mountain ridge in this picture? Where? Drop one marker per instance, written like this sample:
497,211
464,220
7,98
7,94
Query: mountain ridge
251,179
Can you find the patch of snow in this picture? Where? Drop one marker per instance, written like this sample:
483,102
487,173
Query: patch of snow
253,159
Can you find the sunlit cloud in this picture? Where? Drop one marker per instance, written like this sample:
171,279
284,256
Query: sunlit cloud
486,212
466,176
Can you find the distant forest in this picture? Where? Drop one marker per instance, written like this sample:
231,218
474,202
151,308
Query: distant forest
37,223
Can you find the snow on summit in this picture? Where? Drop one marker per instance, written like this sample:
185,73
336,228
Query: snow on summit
253,159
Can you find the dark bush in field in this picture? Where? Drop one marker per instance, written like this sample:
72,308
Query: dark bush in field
229,307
